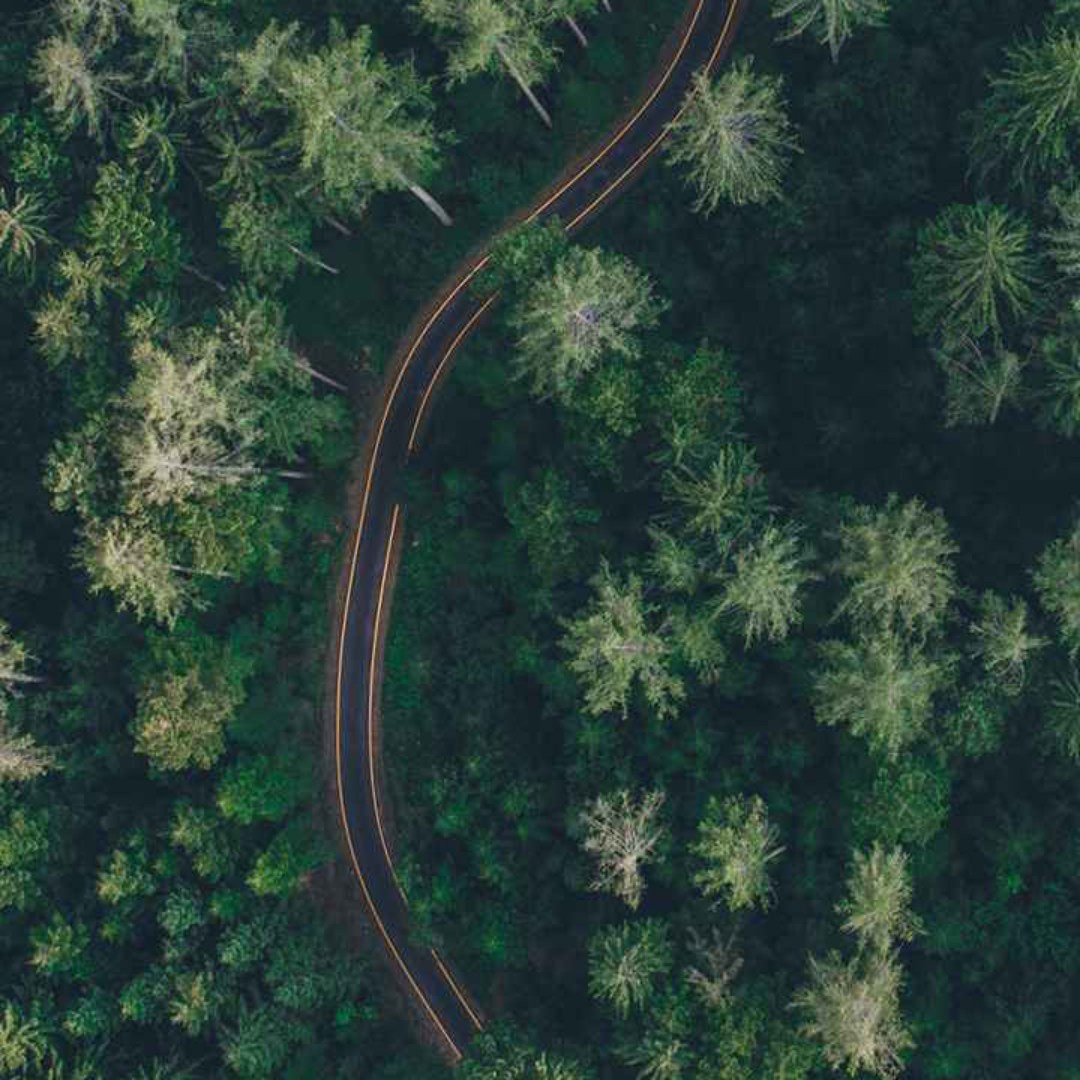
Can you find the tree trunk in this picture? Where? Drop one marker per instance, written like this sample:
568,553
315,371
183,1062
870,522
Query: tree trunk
311,260
303,365
505,57
578,32
607,5
196,272
426,198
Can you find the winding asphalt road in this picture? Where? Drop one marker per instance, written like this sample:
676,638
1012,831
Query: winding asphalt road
701,42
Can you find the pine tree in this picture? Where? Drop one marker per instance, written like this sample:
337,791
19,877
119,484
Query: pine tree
612,647
877,908
853,1010
1063,716
975,273
1003,642
360,124
765,588
1029,117
22,230
723,501
75,90
734,137
1057,582
736,843
625,963
979,382
832,22
493,36
898,564
623,833
593,306
878,689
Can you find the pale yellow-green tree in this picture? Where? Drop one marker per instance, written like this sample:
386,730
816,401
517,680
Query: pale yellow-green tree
897,563
832,22
765,588
877,908
853,1010
623,834
879,689
593,306
1002,639
735,849
615,645
733,137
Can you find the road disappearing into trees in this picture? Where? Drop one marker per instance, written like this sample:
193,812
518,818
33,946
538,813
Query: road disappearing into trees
700,43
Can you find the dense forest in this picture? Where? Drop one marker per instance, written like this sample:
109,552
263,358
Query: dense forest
732,707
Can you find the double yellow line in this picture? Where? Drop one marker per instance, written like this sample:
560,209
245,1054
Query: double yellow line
395,521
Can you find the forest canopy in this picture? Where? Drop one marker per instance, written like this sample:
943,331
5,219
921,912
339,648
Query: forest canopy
732,702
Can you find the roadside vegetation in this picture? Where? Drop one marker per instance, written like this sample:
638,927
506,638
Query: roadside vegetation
732,710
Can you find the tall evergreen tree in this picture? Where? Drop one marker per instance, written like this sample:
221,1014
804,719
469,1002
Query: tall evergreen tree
734,137
832,22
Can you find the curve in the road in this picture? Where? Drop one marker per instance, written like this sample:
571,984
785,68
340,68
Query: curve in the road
707,31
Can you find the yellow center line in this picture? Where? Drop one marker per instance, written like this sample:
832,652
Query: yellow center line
380,925
368,484
462,335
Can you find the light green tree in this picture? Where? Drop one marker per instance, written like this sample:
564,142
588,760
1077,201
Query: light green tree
21,758
22,229
1003,641
724,500
362,125
877,908
623,834
1057,582
974,273
75,89
593,306
626,961
897,562
24,1042
734,137
612,648
1063,716
497,36
736,846
182,717
853,1011
878,689
832,22
1063,238
766,585
1029,117
129,559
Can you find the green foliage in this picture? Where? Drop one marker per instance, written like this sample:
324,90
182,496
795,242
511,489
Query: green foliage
736,843
734,137
1057,581
1029,118
765,589
613,649
897,564
832,22
877,688
625,962
853,1009
975,273
877,909
593,307
289,859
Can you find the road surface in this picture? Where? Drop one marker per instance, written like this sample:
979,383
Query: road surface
702,42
